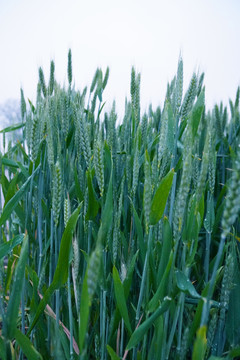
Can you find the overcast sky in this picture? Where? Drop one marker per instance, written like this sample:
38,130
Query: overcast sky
147,34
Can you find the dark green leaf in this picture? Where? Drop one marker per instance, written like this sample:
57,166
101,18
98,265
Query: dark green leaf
13,202
160,198
185,285
15,295
12,128
7,247
120,299
84,313
26,346
92,201
143,328
61,272
112,353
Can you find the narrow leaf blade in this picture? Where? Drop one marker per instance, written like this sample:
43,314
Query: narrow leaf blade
160,198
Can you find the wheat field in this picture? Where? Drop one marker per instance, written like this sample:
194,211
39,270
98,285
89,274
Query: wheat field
120,237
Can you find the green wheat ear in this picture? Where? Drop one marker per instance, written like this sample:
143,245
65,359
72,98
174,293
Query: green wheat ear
70,67
179,85
23,105
147,194
99,164
94,81
51,80
93,271
67,210
42,82
57,192
232,207
105,80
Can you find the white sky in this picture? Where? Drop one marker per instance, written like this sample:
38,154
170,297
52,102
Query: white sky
147,34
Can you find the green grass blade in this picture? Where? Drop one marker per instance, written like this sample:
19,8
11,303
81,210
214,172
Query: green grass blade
26,346
92,202
200,344
166,248
143,328
112,353
120,299
152,305
10,163
7,247
15,295
84,313
2,349
13,202
12,128
197,112
139,230
61,272
160,198
107,214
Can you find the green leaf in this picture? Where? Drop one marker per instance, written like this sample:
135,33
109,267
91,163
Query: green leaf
120,299
12,188
2,349
10,163
233,314
200,344
112,353
32,106
158,296
234,352
12,128
139,230
166,248
84,312
198,315
15,295
160,198
92,202
61,272
139,333
13,202
7,247
185,285
26,346
197,112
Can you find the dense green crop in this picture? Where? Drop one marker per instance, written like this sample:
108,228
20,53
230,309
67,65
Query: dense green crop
120,237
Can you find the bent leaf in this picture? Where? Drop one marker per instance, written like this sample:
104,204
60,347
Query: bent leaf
13,202
143,328
185,285
7,247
